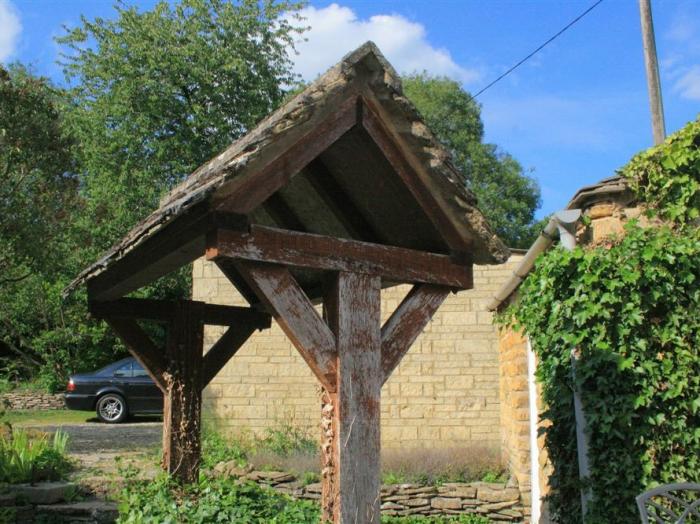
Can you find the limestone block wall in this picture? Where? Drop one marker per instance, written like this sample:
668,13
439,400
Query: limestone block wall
444,393
515,406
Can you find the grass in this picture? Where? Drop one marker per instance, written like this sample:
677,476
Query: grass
47,417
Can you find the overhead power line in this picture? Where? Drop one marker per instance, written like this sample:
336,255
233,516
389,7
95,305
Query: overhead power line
552,39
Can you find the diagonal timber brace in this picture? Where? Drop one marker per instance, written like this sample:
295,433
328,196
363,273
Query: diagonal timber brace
277,288
407,322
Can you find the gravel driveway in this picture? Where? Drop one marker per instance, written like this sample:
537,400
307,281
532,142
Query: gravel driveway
91,437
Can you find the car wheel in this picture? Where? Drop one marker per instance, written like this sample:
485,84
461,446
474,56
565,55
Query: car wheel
111,408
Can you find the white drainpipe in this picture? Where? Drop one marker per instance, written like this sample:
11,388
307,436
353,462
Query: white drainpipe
534,448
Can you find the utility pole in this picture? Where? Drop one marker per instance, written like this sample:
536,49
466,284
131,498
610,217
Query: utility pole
653,82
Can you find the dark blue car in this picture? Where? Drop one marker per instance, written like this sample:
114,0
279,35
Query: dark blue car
115,392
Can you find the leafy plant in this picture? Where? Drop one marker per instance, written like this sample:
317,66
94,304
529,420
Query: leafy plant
667,177
287,438
630,309
210,500
27,456
218,448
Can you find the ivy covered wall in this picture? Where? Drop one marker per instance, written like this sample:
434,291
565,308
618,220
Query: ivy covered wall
629,303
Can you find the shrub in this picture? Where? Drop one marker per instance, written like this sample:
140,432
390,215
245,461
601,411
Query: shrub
27,456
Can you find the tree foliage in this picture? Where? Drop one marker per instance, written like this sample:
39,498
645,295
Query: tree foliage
38,190
152,95
629,306
158,93
39,201
507,196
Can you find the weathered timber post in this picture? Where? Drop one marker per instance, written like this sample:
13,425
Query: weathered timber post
182,406
179,369
351,413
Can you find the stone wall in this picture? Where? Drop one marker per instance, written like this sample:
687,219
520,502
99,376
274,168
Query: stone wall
23,401
515,407
497,501
444,393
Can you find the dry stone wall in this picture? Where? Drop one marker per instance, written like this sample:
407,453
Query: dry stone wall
28,401
497,501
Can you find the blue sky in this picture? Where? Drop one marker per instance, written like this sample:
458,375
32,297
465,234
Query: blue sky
573,114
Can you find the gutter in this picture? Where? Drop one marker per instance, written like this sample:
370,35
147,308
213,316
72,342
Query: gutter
564,222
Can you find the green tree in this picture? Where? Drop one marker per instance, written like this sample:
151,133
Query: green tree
152,95
160,92
38,202
507,196
36,164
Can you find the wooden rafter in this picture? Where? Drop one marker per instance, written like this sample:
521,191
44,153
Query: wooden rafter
263,244
295,314
401,162
407,322
327,187
247,193
283,215
181,242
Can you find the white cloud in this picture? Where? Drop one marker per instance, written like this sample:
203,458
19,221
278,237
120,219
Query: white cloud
681,64
10,28
335,30
688,85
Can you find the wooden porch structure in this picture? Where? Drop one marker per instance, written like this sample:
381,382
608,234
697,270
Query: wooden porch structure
339,193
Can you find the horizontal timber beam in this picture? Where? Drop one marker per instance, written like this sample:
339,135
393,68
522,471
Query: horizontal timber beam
264,244
164,311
